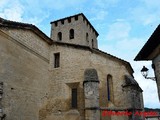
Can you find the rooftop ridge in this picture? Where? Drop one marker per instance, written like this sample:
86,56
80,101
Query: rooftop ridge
15,24
10,22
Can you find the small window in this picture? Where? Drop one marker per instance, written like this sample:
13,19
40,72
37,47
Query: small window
92,43
71,34
59,36
62,21
56,60
87,37
56,24
74,98
109,88
69,20
76,17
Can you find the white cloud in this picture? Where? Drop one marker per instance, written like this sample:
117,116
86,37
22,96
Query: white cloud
124,48
35,20
99,9
118,31
106,3
141,14
23,11
98,14
152,4
56,5
146,12
119,41
3,3
13,12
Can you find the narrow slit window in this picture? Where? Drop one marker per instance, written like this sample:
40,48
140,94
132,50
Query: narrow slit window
74,98
87,37
71,34
109,88
92,43
56,60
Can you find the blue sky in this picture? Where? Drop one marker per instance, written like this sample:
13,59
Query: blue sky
123,26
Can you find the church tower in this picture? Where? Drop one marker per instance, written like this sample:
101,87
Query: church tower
74,30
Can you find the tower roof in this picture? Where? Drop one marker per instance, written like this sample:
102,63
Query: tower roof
75,16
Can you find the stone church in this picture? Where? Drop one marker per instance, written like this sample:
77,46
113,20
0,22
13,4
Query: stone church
64,76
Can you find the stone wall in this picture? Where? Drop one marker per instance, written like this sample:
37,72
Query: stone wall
73,62
80,26
70,74
30,40
25,77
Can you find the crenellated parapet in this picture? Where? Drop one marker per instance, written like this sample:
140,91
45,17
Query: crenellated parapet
75,30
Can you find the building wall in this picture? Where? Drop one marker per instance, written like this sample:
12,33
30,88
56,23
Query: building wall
24,74
156,62
30,40
73,63
154,53
106,65
69,75
80,26
34,89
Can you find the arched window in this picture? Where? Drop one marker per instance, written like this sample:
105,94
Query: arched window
109,88
59,36
71,34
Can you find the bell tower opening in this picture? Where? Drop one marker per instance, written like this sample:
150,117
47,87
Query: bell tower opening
75,27
59,36
71,34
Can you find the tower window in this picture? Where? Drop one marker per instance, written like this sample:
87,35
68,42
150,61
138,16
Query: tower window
69,20
59,36
76,17
62,21
71,34
109,88
56,60
74,98
56,24
87,37
92,43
